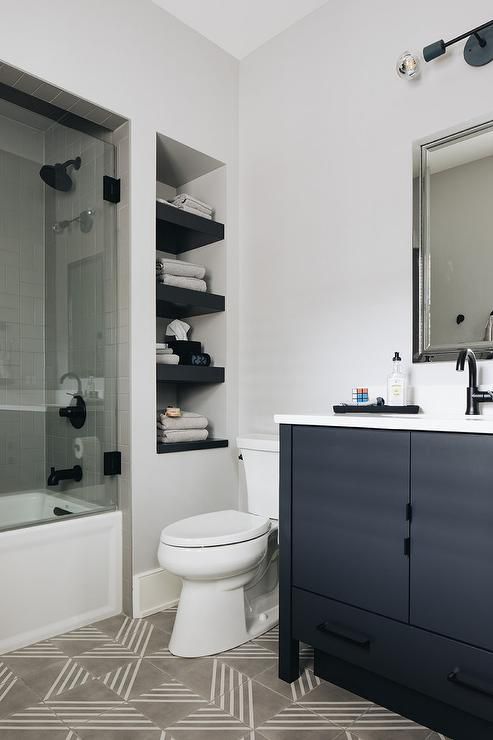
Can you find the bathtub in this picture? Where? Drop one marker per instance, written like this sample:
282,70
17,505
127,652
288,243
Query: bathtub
58,571
35,507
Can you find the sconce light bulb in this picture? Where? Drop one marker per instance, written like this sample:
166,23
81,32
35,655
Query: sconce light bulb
408,66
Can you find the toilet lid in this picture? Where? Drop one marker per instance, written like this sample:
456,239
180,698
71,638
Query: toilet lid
217,528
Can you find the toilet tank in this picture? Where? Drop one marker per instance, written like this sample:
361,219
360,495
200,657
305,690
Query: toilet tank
260,454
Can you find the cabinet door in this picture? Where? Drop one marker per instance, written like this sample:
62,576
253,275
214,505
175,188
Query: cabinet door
350,494
452,535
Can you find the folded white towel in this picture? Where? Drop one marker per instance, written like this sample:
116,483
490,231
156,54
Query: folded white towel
187,420
196,212
184,198
167,359
183,435
180,268
183,282
164,351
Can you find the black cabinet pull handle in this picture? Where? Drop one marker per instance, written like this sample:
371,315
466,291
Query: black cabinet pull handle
344,633
470,682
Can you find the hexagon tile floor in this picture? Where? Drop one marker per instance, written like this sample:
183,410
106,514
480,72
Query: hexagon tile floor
117,680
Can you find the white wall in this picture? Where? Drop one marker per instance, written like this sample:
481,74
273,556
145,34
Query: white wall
136,60
326,129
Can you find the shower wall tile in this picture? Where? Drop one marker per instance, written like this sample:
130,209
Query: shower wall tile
21,311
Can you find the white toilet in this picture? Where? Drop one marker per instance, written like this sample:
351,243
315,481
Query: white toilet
228,561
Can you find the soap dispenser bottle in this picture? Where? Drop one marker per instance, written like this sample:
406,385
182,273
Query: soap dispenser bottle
397,384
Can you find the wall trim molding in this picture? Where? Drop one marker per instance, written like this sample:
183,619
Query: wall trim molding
153,591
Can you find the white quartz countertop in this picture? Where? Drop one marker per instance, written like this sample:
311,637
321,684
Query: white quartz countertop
412,422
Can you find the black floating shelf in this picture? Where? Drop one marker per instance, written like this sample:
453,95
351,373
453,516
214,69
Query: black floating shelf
208,444
178,231
189,374
178,303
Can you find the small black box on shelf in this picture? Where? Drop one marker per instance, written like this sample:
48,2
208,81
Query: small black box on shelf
182,345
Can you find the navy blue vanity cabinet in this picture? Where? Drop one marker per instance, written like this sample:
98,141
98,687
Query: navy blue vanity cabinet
350,492
452,535
386,569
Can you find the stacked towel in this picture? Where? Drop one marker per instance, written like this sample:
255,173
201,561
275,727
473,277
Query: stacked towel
181,274
188,427
165,355
193,205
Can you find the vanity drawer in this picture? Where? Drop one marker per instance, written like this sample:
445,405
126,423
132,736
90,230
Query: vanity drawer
367,640
449,671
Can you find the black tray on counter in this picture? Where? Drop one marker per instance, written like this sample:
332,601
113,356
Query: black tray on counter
355,409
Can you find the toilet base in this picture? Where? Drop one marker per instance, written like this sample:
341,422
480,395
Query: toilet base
213,621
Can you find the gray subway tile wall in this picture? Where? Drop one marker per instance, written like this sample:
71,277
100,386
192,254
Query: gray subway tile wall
22,396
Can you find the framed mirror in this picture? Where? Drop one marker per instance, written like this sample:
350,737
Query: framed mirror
453,243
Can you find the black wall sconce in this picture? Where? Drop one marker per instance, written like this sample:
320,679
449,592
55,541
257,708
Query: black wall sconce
478,50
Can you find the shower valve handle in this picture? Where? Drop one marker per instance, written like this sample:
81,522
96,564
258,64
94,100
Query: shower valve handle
77,413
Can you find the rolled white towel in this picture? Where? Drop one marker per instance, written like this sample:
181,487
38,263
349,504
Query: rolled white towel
185,198
184,282
183,435
167,359
187,420
180,268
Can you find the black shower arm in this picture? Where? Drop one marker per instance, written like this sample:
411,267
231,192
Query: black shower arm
69,162
473,32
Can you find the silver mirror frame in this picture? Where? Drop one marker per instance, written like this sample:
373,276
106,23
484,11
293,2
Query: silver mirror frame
423,350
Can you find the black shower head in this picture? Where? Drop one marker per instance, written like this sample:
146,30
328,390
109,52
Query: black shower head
55,175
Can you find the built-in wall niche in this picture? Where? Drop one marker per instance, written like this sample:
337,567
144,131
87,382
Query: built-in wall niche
192,238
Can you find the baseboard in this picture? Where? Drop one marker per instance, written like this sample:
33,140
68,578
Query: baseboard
153,591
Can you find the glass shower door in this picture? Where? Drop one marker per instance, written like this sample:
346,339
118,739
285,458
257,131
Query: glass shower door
80,319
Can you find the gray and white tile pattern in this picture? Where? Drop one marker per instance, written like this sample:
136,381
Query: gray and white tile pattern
117,680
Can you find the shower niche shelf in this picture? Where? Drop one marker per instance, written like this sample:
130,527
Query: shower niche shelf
180,303
178,231
193,388
189,374
208,444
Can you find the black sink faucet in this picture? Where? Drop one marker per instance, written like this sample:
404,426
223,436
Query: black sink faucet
56,476
473,395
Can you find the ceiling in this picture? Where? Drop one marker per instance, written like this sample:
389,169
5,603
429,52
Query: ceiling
239,26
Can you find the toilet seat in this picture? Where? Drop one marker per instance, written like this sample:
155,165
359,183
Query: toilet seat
215,529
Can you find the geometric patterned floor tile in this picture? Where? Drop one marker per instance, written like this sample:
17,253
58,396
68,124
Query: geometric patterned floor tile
250,658
106,658
208,722
163,621
84,703
297,722
122,723
208,677
5,673
383,724
168,702
15,695
252,703
131,680
295,691
80,640
335,704
66,677
37,718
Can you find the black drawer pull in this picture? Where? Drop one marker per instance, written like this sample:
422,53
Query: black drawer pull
469,682
343,633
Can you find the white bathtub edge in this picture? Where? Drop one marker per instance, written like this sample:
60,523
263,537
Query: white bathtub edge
15,589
